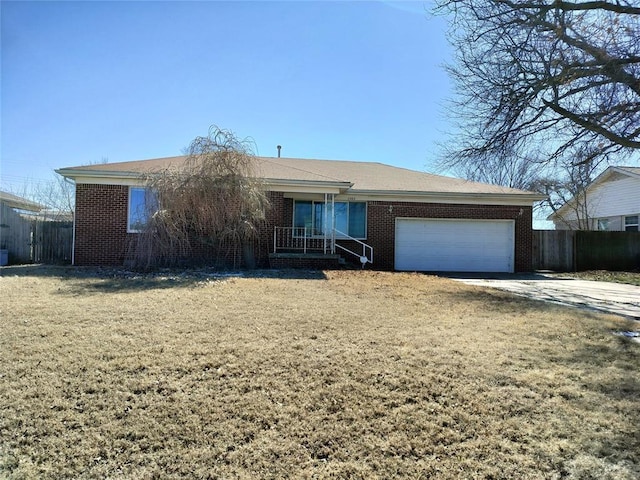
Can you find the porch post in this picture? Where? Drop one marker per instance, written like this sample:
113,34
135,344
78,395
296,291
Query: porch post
333,224
324,223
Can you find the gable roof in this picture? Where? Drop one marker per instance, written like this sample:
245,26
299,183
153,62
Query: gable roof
610,173
14,201
348,176
631,171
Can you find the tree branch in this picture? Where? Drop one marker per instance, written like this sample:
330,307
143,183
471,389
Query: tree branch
609,135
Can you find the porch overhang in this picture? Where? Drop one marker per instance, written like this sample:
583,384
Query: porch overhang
308,186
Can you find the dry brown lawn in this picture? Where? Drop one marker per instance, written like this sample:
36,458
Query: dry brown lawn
338,374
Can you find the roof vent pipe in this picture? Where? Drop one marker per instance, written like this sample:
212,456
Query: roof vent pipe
279,147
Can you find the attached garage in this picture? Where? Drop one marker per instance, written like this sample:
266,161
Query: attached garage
408,220
444,245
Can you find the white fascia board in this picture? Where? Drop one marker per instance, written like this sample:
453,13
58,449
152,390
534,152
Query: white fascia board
342,189
623,171
95,178
306,196
137,179
297,186
520,200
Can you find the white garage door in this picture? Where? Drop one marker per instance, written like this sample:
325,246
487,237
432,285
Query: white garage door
437,245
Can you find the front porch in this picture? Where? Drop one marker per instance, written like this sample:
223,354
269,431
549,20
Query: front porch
304,247
310,261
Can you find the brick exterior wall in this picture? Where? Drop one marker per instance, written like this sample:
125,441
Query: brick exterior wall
381,219
329,262
274,217
102,239
101,224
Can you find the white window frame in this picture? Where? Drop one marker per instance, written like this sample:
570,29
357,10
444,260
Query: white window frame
313,210
628,224
131,189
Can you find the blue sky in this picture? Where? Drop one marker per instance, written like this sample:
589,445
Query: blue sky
88,81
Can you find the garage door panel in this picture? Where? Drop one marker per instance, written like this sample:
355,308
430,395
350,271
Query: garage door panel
454,245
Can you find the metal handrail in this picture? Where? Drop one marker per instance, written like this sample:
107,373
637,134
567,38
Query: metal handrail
304,239
364,258
296,238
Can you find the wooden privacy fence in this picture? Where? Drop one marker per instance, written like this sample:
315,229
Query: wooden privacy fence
51,242
34,240
553,250
567,250
15,235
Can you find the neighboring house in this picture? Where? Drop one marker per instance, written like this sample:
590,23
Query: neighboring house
611,202
389,218
15,230
19,203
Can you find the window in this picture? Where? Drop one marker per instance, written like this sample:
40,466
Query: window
631,223
142,203
603,224
358,219
349,217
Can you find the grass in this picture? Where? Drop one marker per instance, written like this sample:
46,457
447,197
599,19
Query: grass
337,374
631,278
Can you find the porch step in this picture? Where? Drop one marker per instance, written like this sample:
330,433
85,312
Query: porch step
311,261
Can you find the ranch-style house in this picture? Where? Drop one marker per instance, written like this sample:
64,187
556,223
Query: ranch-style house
322,211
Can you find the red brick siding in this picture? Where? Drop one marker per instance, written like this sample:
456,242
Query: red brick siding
101,224
310,263
273,218
101,236
101,227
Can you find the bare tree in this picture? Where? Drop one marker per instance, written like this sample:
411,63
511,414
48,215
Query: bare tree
509,170
567,186
57,196
213,200
540,78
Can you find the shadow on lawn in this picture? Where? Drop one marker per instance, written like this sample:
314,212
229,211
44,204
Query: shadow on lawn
500,300
505,276
109,280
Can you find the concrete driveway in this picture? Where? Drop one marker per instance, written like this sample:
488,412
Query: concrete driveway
606,297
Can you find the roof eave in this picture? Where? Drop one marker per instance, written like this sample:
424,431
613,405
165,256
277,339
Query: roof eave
282,181
626,171
526,196
88,175
26,205
74,173
316,185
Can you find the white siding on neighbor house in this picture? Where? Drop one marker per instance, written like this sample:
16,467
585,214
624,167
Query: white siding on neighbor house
612,199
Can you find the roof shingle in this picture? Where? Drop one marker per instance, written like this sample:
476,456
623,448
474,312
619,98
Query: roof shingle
363,176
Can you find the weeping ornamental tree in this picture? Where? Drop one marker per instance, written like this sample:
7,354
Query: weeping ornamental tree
213,203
